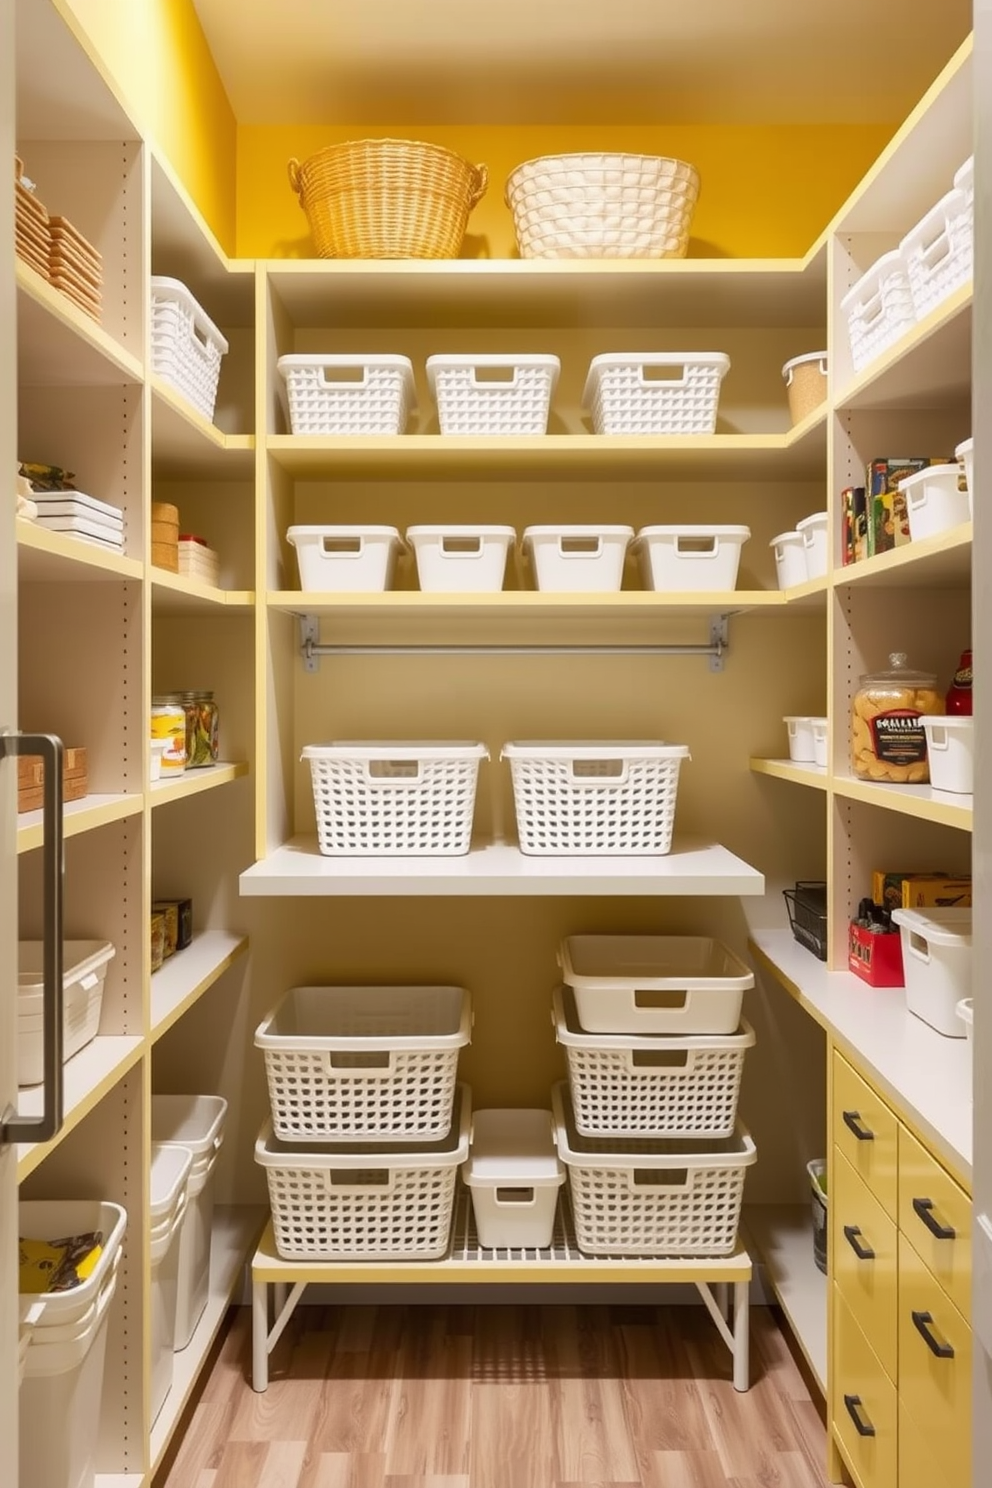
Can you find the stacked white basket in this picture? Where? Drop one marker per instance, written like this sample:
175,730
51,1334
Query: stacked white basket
655,1045
368,1123
196,1123
186,347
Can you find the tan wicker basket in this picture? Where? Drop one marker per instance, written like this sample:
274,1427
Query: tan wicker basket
386,198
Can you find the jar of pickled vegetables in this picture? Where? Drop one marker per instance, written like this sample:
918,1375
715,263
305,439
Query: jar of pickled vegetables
169,723
888,741
202,725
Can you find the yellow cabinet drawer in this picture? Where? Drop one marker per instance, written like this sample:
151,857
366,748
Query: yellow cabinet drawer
864,1260
864,1403
918,1467
865,1130
935,1214
935,1365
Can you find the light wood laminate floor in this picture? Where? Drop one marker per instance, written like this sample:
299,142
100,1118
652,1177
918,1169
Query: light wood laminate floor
502,1397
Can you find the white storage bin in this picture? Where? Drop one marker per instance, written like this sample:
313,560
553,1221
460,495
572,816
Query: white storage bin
965,453
821,744
938,252
790,559
345,560
602,799
933,502
650,1085
186,347
346,394
814,532
950,752
84,972
461,559
647,1196
654,984
363,1201
404,800
53,1219
802,749
577,560
369,1064
691,559
195,1122
29,1311
806,384
170,1169
966,1012
655,392
493,394
879,309
513,1174
936,961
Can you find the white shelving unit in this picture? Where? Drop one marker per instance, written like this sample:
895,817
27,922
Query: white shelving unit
781,1238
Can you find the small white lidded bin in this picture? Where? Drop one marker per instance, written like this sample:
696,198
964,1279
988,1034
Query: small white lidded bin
513,1174
461,559
84,972
790,559
169,1181
681,560
195,1122
965,453
813,530
802,750
662,392
345,560
936,960
577,560
806,384
951,752
933,502
494,393
650,984
820,728
347,394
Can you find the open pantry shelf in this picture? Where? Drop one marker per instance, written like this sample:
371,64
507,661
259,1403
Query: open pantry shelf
780,1237
45,557
59,344
185,443
409,603
937,562
187,974
174,594
784,769
88,1076
921,801
928,367
85,815
192,782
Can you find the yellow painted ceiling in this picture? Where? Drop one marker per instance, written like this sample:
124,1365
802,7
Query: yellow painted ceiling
576,61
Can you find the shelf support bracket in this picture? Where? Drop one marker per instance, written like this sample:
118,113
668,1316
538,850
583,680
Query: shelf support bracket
309,638
719,640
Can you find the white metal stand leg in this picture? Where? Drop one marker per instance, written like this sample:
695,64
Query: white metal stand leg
742,1334
721,1296
259,1335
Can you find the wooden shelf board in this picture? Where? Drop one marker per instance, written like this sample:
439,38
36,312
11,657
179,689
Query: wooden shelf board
786,769
59,345
928,367
634,603
85,815
192,782
88,1076
920,801
187,974
174,594
235,1233
937,562
780,1237
694,866
45,557
184,443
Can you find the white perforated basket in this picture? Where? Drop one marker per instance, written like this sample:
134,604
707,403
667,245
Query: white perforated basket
655,392
364,1064
186,346
879,308
648,1196
603,799
363,1202
939,252
493,394
653,1086
388,800
345,394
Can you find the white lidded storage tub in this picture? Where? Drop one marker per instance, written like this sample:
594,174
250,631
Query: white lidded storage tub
513,1173
348,394
650,1085
821,745
654,984
879,309
186,347
688,559
965,453
493,393
647,1196
802,746
938,252
364,1064
665,392
84,972
936,962
578,559
599,799
195,1122
170,1170
345,560
461,559
951,752
62,1389
363,1201
814,532
405,800
790,559
933,501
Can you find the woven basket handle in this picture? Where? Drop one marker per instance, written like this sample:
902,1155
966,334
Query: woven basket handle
294,176
477,190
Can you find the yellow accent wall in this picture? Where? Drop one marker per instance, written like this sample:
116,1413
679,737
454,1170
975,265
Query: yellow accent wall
766,190
158,59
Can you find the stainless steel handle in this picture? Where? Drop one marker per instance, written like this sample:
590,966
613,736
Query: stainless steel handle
15,1128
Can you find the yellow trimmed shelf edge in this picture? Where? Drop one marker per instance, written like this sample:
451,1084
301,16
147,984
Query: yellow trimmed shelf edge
44,556
88,1076
84,815
193,782
785,769
60,343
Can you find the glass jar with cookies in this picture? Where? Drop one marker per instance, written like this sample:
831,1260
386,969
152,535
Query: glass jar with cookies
888,742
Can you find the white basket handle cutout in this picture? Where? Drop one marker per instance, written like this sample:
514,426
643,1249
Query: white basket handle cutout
919,946
595,772
392,772
669,1002
697,547
343,377
342,547
89,981
938,737
659,1178
916,497
346,1061
580,547
460,547
872,309
504,376
359,1180
515,1198
649,1060
677,376
937,249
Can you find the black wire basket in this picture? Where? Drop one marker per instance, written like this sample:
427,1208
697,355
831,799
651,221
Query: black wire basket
807,906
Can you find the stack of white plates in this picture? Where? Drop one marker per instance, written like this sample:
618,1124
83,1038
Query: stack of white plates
85,517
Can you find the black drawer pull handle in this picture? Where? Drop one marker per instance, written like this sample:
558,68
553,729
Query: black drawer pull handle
863,1252
924,1212
855,1410
852,1120
921,1322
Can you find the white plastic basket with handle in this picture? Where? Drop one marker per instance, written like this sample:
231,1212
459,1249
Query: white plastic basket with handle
186,347
654,984
461,559
939,252
879,308
493,393
690,558
586,559
655,392
346,560
346,394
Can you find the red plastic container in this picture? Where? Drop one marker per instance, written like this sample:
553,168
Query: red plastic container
875,956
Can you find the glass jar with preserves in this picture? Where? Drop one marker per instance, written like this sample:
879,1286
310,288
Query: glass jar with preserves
202,729
169,724
888,742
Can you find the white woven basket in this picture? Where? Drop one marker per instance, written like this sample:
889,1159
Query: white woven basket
655,392
493,394
604,799
602,206
939,252
622,1085
406,800
348,394
186,346
361,1201
879,308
